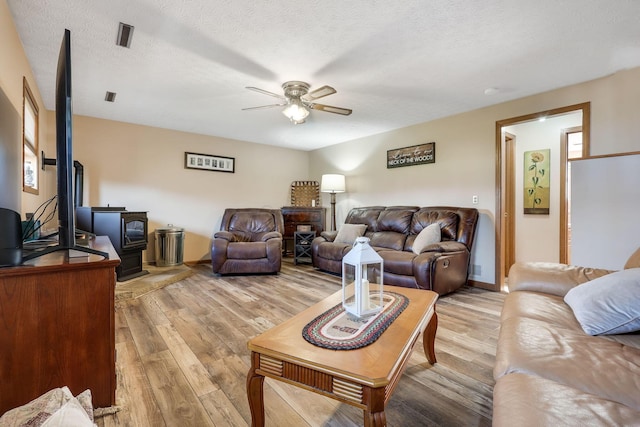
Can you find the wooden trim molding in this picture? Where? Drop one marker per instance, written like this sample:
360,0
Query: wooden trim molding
481,285
27,97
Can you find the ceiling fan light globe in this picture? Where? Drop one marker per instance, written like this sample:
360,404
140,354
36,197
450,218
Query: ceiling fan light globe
296,112
300,114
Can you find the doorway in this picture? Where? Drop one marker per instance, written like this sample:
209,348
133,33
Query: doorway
572,146
508,209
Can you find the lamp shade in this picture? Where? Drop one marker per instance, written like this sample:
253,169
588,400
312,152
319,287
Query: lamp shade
332,183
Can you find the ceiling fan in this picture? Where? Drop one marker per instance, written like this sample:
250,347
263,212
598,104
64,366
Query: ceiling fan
297,100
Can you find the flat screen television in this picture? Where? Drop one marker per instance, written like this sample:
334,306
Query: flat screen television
64,159
64,152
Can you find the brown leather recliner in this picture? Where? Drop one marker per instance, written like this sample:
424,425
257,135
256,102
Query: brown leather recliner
249,241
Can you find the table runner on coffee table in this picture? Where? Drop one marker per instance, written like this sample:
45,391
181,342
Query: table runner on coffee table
337,329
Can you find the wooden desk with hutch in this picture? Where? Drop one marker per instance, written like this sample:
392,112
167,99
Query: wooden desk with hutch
57,327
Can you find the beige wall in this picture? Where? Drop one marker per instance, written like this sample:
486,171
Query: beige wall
142,169
465,155
13,66
13,62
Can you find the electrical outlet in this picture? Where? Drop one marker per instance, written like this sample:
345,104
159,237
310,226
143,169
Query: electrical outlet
474,200
476,270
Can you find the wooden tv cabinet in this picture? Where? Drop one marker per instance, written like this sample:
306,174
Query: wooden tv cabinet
57,327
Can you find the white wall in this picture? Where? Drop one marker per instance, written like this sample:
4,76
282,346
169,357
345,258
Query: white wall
605,230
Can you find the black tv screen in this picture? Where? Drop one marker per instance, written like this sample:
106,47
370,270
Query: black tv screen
64,161
64,152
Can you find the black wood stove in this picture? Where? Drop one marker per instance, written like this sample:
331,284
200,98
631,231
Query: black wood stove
126,230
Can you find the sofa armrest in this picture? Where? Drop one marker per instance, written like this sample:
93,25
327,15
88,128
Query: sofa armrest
329,236
226,235
274,250
550,278
445,246
219,251
270,235
441,272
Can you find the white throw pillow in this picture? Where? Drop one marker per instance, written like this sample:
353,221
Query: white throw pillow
348,233
71,414
609,304
428,236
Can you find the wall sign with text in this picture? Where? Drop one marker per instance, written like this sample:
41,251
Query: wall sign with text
411,156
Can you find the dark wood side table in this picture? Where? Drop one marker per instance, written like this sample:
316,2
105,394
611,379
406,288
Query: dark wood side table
302,246
301,215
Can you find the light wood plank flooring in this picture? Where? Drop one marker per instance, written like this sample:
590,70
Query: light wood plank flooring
182,356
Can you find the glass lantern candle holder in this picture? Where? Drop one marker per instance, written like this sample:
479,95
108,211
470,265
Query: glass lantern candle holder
362,270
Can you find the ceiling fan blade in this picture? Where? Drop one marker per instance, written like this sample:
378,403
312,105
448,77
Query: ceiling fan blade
265,92
264,106
330,109
318,93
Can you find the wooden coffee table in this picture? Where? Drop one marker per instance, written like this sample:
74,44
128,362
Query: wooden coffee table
365,378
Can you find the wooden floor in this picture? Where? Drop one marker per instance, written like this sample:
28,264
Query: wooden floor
182,357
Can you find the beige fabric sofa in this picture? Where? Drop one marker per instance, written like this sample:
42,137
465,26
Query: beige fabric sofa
548,371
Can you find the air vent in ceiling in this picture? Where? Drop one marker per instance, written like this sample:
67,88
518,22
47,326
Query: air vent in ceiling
110,96
125,33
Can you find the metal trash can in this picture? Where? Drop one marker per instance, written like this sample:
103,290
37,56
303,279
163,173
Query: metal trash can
169,246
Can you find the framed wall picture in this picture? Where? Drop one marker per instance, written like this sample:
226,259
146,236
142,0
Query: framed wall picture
536,182
209,162
411,156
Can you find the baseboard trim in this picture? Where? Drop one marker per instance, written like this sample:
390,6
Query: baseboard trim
482,285
198,262
474,283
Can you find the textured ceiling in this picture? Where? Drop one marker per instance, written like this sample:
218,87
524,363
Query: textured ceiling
394,63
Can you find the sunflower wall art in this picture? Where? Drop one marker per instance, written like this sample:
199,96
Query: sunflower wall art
536,182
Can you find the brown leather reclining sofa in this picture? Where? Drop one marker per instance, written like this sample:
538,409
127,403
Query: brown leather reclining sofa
442,267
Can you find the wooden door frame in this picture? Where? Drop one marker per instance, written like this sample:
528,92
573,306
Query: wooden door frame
564,192
500,244
508,218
